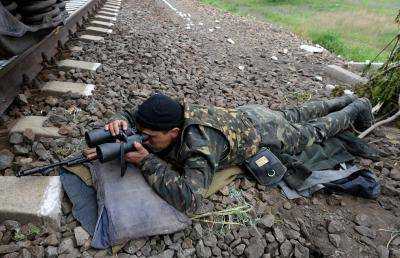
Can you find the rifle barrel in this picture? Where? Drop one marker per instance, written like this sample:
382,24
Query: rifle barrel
74,160
32,171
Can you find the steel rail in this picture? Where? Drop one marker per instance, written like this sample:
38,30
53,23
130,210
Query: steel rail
26,66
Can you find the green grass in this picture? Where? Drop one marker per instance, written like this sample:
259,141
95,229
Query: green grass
354,29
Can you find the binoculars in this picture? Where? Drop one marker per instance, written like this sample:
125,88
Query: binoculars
107,148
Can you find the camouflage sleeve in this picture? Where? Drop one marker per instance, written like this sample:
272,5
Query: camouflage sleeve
185,189
183,192
125,115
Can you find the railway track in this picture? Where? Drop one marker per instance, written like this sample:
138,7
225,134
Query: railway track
26,66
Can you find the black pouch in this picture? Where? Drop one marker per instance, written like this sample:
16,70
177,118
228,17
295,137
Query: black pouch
265,167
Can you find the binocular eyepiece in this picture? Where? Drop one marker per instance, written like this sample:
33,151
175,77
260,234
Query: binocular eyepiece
106,147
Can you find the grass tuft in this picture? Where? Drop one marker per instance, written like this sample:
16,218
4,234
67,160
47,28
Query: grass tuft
331,40
34,230
222,221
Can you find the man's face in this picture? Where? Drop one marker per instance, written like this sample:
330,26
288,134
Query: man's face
160,140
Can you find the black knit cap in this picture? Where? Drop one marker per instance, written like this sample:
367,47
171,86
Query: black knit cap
160,113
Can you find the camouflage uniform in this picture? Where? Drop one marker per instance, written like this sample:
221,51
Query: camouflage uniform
215,138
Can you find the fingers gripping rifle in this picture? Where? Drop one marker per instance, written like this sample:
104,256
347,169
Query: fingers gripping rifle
107,149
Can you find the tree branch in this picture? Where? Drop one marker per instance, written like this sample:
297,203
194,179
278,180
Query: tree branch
385,121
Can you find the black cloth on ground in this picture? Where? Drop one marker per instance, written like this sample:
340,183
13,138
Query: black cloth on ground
327,155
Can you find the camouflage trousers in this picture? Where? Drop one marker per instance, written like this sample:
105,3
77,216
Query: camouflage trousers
292,130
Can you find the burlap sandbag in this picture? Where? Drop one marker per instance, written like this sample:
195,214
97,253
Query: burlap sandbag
133,208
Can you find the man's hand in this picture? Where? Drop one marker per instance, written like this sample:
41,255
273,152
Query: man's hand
115,126
90,154
135,157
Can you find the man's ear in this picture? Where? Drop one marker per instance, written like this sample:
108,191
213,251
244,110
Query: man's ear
175,132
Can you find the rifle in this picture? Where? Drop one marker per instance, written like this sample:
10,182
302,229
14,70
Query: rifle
107,149
45,169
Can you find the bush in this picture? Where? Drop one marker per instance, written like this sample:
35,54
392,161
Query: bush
330,40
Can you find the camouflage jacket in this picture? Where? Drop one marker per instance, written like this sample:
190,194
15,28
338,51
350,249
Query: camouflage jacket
212,139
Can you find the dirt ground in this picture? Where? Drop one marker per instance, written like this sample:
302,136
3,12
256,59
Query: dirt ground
195,52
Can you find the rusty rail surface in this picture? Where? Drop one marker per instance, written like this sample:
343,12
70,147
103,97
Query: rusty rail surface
27,65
